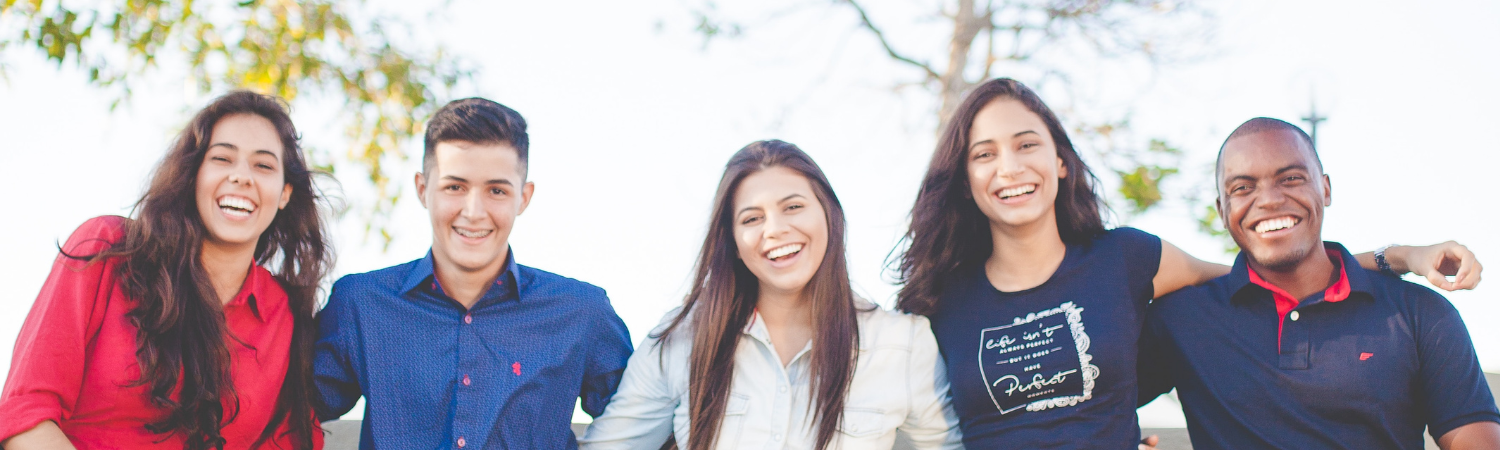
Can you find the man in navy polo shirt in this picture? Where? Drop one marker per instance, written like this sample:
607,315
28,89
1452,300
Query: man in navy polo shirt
1298,347
464,348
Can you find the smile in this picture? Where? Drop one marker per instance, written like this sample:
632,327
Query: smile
1276,224
235,206
1017,191
477,234
783,251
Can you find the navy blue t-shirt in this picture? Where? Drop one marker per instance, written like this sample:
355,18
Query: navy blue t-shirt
1052,366
1365,372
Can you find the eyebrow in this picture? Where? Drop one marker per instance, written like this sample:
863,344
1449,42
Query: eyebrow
976,144
747,208
233,147
494,181
1299,166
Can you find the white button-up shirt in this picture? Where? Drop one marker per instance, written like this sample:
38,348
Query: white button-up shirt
899,385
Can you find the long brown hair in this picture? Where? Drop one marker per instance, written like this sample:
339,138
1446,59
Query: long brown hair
180,325
724,294
948,233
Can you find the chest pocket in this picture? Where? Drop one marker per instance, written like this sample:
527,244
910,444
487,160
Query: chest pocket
864,422
734,420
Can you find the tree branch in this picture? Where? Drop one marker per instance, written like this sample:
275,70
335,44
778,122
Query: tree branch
864,19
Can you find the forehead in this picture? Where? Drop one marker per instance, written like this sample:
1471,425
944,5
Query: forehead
1265,152
475,162
771,186
246,132
1002,118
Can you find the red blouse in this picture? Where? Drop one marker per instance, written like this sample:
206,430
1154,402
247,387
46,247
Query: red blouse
75,359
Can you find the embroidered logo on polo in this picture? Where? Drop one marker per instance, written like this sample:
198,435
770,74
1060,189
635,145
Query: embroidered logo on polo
1039,361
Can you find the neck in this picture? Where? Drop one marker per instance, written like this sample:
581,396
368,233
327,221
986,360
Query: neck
783,309
1024,256
466,286
227,267
1309,276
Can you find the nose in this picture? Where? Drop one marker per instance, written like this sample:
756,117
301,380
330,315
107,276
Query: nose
1008,165
473,204
1270,198
776,226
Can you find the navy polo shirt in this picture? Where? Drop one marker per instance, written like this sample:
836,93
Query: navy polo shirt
1367,371
505,373
1051,367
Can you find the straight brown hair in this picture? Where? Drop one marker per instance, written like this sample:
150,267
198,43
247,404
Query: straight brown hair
724,293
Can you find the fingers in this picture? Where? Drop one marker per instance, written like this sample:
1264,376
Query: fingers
1468,273
1150,442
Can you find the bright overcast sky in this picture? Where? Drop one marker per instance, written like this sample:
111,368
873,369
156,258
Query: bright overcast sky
632,120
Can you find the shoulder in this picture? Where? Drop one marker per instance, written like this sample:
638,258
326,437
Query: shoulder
370,284
879,327
1130,238
96,235
1408,296
543,284
1192,297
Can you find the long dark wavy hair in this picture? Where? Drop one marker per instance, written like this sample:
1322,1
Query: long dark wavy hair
948,233
180,322
724,294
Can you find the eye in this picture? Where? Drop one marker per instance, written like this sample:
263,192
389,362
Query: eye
1029,145
1294,179
219,158
497,191
264,166
983,155
793,207
453,188
749,220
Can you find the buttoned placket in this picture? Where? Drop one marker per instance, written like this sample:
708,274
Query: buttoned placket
785,395
465,416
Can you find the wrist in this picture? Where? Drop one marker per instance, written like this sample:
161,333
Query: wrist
1391,259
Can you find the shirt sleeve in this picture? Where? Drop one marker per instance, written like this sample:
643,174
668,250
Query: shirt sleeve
334,372
931,422
611,351
1153,365
1142,257
1453,386
641,413
46,370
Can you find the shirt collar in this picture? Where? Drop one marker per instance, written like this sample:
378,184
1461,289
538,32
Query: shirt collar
422,273
1244,283
259,287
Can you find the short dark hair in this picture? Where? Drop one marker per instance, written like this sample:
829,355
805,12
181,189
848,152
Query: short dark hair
478,121
1257,125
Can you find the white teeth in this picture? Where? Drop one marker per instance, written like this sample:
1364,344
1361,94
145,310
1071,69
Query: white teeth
236,203
472,234
784,250
1274,224
1018,190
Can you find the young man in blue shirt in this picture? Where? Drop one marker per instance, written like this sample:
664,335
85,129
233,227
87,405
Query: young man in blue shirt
1298,347
464,348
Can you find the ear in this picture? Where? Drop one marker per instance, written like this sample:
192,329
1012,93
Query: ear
1327,191
1062,168
1223,215
421,181
526,192
286,196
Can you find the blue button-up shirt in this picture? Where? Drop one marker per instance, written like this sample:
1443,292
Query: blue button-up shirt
504,373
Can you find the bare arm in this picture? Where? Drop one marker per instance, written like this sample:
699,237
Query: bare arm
1179,270
1474,436
1432,262
47,435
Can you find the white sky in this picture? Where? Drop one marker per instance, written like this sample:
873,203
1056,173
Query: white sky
631,123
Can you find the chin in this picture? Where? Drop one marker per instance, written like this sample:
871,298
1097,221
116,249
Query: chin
1279,260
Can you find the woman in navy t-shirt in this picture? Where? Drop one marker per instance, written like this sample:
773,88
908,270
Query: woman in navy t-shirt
1037,307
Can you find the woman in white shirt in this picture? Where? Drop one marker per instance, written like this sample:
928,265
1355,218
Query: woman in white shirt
771,349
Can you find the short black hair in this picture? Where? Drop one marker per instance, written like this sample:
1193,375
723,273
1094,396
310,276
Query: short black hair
478,121
1257,125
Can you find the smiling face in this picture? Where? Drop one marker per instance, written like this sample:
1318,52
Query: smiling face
1013,165
473,193
780,229
240,184
1271,198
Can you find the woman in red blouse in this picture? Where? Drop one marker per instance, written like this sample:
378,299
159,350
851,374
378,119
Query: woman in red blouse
168,330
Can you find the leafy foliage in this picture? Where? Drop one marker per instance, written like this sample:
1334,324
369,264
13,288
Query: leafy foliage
285,48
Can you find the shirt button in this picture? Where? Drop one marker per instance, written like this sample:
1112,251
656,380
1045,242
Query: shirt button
781,388
777,437
466,379
462,443
469,318
1294,316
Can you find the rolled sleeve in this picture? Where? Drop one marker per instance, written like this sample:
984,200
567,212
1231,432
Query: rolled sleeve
46,369
607,362
930,422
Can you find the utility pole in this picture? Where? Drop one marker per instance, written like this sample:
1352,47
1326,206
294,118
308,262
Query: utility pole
1312,120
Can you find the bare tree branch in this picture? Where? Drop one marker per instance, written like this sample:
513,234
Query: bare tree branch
864,19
